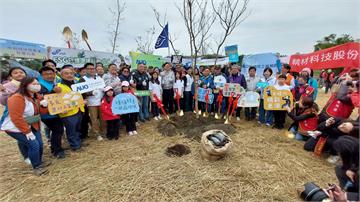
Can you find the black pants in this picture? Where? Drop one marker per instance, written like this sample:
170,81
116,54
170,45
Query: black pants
154,109
188,101
238,111
112,129
168,100
279,118
57,130
250,112
129,121
85,123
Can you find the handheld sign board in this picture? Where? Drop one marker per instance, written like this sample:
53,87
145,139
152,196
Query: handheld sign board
142,93
201,95
59,103
125,103
88,86
249,99
233,88
277,99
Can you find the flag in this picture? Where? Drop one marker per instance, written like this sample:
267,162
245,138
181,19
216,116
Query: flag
162,40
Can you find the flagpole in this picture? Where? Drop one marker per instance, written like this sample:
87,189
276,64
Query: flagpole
168,39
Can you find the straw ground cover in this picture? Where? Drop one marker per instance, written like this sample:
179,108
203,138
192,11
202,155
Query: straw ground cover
263,165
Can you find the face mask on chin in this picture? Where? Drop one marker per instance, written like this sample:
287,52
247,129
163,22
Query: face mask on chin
34,88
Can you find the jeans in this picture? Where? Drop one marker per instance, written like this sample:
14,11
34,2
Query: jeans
35,147
298,136
155,109
73,130
144,107
188,101
250,112
96,120
57,130
265,116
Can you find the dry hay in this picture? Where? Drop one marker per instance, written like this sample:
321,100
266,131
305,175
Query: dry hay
177,150
263,165
192,127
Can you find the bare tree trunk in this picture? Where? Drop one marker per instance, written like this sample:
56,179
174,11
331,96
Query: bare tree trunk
115,32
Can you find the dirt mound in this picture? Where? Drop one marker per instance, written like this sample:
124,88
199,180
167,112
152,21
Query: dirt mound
192,127
178,150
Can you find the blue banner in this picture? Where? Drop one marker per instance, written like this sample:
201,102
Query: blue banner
260,61
232,53
21,49
125,103
201,95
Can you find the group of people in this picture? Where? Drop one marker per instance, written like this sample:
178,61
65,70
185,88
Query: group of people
176,89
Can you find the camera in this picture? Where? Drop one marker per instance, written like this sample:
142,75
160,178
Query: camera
312,192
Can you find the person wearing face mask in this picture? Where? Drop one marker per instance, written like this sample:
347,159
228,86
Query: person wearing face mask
23,121
307,73
302,89
16,74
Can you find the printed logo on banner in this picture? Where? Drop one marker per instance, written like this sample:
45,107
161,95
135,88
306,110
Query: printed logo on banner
142,93
125,103
59,103
249,99
88,86
277,99
233,88
201,95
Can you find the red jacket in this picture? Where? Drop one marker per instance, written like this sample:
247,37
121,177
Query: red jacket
106,112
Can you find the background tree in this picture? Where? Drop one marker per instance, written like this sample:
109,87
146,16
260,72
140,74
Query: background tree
230,13
162,22
332,40
145,44
114,27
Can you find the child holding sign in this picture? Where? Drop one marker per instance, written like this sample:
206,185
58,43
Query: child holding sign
129,119
112,120
280,115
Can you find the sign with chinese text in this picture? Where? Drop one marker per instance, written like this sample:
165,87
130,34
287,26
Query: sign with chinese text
59,103
277,99
232,53
88,86
125,103
142,93
202,93
346,55
146,59
249,99
21,49
232,88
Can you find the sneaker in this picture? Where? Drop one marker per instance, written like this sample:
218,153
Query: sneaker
238,118
39,171
135,132
27,161
156,118
333,159
131,133
259,122
268,124
99,138
159,117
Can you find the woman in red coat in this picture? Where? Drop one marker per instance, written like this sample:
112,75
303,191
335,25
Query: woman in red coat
112,120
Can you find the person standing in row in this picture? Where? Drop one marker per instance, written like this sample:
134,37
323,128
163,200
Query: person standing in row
112,79
167,84
251,84
112,120
141,83
129,119
237,77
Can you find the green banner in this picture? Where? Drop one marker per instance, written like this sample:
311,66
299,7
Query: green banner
142,93
148,60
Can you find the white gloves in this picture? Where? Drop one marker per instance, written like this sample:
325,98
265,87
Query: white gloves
30,136
44,103
144,83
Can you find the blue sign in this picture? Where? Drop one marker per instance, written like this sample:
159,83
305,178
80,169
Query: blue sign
125,103
232,53
22,49
201,95
260,61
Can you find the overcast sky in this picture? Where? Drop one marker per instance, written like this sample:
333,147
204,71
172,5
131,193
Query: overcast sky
285,26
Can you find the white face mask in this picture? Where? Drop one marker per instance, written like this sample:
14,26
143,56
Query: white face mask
34,88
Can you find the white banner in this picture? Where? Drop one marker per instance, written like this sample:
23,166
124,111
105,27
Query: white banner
78,58
88,86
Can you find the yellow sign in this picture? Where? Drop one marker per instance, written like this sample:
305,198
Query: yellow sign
60,103
277,99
